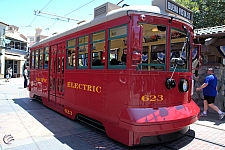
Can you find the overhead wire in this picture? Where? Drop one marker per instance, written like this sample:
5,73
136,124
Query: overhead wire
80,7
120,2
38,13
71,12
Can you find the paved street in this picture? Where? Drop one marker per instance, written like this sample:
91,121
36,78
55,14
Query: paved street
33,126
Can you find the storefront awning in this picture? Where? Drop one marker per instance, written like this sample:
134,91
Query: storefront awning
11,57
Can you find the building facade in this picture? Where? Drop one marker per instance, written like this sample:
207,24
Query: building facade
38,36
3,27
14,51
33,39
212,41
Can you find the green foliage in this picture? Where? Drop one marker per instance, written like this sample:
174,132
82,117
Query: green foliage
207,13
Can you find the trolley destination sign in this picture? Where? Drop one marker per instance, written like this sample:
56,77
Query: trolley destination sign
175,8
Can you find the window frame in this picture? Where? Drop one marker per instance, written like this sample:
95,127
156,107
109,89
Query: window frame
158,65
75,50
83,44
32,58
188,61
109,44
37,58
91,50
150,65
41,53
46,48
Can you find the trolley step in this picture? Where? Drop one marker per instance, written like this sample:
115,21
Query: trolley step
91,122
38,98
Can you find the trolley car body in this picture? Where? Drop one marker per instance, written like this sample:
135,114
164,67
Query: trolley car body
131,100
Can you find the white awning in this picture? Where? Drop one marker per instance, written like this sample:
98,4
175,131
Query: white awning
15,36
11,57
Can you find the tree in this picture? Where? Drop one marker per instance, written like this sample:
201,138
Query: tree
207,13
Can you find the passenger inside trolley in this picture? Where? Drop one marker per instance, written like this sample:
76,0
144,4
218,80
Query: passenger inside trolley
46,64
97,62
114,61
123,59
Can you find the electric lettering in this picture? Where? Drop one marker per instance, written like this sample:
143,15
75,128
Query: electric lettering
43,80
84,87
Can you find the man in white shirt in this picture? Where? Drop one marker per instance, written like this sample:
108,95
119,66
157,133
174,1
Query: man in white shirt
25,75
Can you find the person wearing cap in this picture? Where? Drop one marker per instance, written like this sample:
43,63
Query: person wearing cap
210,92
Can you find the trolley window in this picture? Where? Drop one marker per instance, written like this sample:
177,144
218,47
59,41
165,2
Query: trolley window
46,57
154,47
97,49
117,44
178,51
83,52
71,53
36,59
32,59
41,59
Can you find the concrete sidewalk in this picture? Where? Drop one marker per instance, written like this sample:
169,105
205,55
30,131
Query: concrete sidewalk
11,81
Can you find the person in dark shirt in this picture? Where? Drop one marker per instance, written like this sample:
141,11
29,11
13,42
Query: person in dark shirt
210,92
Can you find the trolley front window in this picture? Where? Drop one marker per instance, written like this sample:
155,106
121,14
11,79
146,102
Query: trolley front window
178,53
154,47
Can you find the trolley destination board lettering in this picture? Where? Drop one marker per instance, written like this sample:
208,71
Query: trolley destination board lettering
175,8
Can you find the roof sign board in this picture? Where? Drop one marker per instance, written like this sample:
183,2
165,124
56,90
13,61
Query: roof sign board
177,9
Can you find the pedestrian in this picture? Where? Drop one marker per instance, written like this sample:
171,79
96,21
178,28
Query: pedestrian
8,73
210,91
25,75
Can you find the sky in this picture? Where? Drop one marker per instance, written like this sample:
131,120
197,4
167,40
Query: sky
21,13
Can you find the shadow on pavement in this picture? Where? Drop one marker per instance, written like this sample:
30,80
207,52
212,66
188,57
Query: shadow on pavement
212,117
183,141
78,135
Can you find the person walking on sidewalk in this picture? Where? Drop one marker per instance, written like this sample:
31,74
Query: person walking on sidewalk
8,73
25,75
210,92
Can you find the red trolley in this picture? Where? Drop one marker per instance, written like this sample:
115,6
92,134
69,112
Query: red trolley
128,70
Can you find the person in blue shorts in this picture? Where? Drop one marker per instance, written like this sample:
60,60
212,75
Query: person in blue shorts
210,92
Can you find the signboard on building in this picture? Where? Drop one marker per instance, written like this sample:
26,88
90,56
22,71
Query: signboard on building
177,9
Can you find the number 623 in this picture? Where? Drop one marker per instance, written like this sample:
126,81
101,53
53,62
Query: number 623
69,112
152,98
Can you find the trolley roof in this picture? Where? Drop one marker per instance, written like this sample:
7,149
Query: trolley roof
113,14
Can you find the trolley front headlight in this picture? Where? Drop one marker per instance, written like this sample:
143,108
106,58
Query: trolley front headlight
183,85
